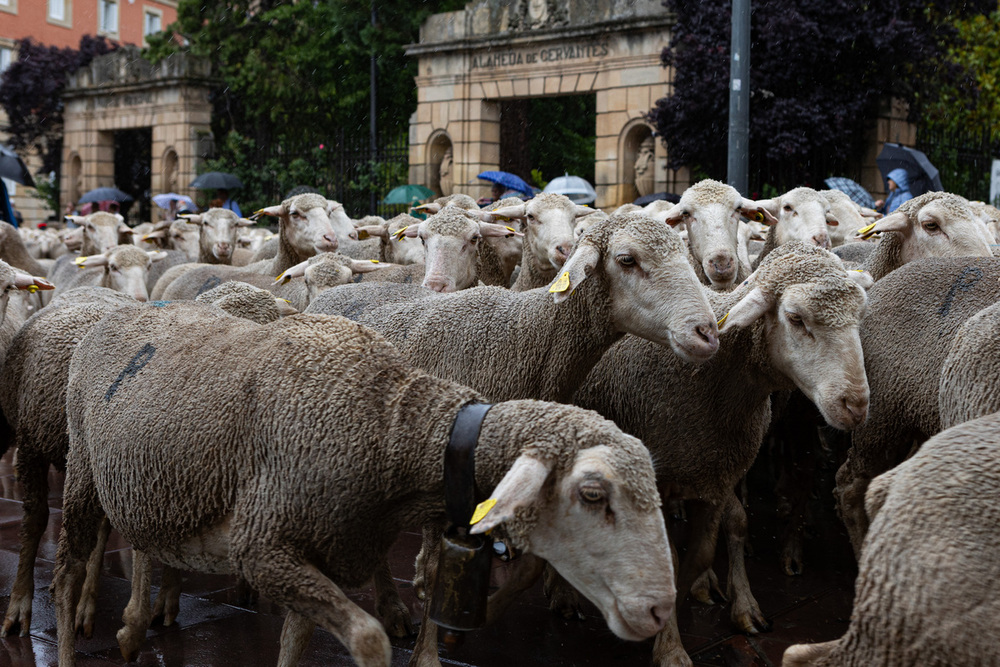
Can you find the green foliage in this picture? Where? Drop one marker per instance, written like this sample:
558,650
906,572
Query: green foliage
537,179
47,189
970,101
563,137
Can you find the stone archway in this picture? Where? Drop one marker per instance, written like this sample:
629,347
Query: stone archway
440,163
169,170
496,52
75,179
636,153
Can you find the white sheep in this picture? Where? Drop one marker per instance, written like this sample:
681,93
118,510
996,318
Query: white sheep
122,269
794,323
850,217
927,590
801,214
393,248
253,499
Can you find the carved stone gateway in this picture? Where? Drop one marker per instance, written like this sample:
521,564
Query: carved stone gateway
500,50
121,91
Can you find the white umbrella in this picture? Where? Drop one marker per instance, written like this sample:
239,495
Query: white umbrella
163,201
574,187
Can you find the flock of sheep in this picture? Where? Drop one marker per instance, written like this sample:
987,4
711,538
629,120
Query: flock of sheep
296,393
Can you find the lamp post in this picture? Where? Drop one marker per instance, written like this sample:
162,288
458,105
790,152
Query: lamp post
372,128
739,98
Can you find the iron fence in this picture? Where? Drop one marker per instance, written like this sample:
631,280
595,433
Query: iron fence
962,158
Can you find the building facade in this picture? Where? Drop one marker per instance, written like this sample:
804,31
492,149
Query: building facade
62,23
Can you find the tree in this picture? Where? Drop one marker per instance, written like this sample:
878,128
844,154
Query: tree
819,71
31,89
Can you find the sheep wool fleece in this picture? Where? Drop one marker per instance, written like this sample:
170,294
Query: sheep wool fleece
288,441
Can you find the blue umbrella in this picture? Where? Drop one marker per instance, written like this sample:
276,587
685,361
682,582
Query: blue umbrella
105,194
508,180
852,189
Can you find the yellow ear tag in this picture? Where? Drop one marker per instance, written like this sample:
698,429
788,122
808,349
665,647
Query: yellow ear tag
510,229
562,284
32,289
259,211
373,261
362,235
399,234
758,216
79,261
865,232
482,509
723,320
282,278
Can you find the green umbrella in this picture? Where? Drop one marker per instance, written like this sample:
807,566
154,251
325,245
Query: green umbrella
407,194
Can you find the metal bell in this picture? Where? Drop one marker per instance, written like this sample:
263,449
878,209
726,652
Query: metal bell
461,586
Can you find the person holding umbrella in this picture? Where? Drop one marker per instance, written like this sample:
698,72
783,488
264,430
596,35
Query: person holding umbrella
228,202
898,185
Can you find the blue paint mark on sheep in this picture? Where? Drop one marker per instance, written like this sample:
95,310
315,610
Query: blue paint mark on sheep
139,361
966,281
211,283
159,304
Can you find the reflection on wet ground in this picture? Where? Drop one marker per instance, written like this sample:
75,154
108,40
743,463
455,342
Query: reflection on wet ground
212,629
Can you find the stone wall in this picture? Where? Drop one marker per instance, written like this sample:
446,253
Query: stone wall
497,50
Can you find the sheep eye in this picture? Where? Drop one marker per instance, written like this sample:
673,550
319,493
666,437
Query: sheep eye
592,494
932,226
794,319
625,260
787,207
475,239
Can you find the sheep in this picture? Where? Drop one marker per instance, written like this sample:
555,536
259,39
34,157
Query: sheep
323,271
968,388
248,243
801,214
913,316
392,248
499,256
710,212
122,269
935,224
14,253
850,217
248,302
308,224
263,507
794,323
101,231
34,403
219,229
451,240
926,592
628,274
548,221
990,215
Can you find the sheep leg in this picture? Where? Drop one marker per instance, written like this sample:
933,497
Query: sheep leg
87,608
850,496
563,598
33,475
388,605
168,600
425,653
137,615
82,519
295,635
706,589
803,655
745,611
288,579
701,549
668,651
524,573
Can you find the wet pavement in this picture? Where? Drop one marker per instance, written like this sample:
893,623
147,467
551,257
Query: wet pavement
212,629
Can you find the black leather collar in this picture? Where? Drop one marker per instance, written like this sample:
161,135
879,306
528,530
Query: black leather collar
460,464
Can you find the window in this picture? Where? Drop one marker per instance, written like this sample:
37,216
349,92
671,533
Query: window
60,12
6,57
108,16
8,6
152,23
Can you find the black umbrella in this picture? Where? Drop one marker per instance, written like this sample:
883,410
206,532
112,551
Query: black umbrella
216,180
105,194
924,176
657,196
13,167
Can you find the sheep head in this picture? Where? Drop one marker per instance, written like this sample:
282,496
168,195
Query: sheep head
810,307
653,289
218,231
12,279
311,223
125,269
802,214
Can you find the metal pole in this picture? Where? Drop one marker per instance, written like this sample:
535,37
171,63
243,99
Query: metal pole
739,98
372,129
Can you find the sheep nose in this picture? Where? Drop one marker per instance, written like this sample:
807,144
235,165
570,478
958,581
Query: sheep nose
331,240
224,248
722,266
708,333
437,284
857,408
562,252
822,240
661,614
353,235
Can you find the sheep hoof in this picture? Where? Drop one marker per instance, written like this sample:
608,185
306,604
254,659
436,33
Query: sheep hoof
751,621
18,616
706,589
791,557
85,618
129,643
396,619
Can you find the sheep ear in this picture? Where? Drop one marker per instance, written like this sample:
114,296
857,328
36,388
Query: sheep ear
575,271
275,211
769,205
156,255
582,210
479,214
285,307
747,310
490,229
869,213
671,216
23,281
243,222
516,211
88,261
124,229
367,265
520,487
378,231
831,220
153,235
897,222
430,208
75,219
193,218
296,271
862,278
332,205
